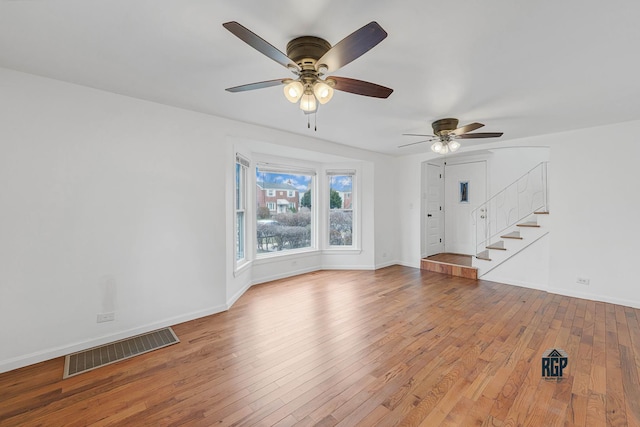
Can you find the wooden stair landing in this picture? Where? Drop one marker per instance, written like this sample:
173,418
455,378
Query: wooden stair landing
451,264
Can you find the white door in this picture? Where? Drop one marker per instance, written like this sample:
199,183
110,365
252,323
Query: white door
465,190
433,209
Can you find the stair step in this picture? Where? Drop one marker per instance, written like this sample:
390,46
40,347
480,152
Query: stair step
541,213
528,224
512,235
483,255
499,245
451,269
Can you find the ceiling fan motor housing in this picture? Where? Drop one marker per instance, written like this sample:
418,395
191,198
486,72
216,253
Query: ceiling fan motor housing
306,50
444,126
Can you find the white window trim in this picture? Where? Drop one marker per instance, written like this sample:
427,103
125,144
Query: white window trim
285,168
239,265
355,247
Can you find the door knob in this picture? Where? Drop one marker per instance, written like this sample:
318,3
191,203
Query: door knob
429,215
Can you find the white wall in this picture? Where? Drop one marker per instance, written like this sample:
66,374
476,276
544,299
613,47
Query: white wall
508,164
105,205
385,214
109,203
594,214
408,208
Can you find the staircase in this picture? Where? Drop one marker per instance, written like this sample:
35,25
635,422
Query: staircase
512,220
451,264
522,235
505,225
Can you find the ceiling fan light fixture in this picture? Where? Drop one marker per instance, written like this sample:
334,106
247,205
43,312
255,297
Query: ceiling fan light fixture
308,103
293,91
446,132
437,147
322,91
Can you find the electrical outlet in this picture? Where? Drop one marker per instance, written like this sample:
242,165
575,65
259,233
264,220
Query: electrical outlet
582,281
106,317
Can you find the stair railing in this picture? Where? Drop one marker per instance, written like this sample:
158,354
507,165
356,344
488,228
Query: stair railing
511,205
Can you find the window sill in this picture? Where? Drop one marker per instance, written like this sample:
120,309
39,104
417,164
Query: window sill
335,250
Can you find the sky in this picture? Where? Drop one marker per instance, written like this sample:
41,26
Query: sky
302,182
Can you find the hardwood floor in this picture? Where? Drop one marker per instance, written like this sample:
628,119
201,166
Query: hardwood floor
457,259
397,346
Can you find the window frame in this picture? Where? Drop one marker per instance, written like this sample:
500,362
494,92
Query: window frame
355,211
286,169
240,196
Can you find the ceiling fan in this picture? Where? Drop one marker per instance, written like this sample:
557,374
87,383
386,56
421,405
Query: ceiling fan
310,58
446,131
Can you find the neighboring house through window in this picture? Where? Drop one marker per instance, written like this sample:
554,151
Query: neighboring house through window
341,215
284,222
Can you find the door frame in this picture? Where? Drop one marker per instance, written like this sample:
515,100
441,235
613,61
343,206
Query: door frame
461,162
424,238
442,163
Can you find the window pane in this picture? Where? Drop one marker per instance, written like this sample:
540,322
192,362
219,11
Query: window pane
284,211
341,210
240,191
240,235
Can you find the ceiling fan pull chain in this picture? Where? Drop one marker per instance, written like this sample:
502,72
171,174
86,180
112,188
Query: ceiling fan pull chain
315,121
308,122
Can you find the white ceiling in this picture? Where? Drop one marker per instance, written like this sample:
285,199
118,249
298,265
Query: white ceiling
521,67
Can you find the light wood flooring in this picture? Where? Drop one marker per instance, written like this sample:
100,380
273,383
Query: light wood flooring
451,264
396,346
457,259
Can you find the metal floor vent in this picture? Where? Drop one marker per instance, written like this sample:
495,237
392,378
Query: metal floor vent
87,360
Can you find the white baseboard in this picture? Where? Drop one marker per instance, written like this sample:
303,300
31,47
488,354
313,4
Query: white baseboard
312,269
237,295
594,297
347,267
530,285
408,264
284,275
385,264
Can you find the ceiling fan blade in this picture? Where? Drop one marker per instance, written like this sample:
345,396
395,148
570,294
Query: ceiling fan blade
480,135
360,87
418,134
257,85
414,143
259,44
353,46
467,128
